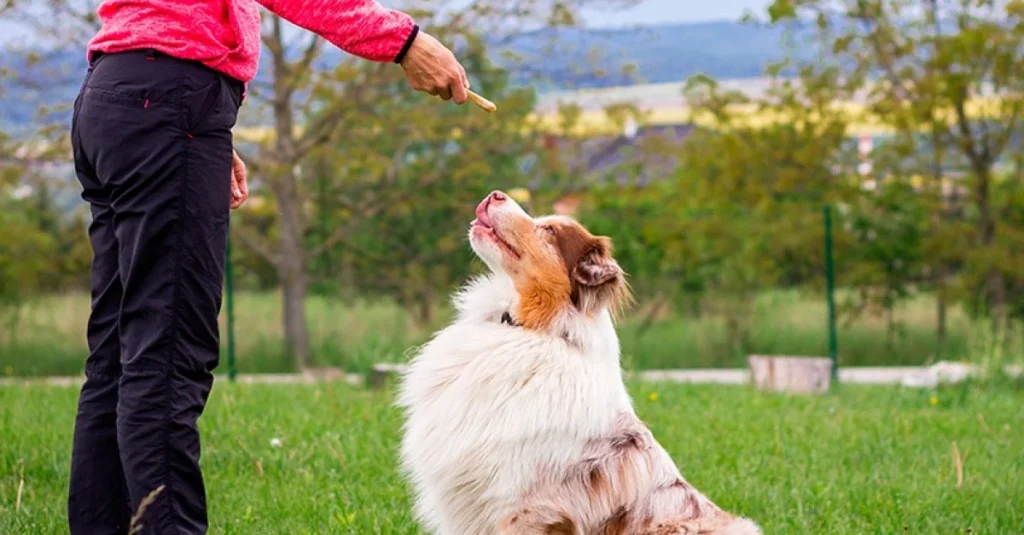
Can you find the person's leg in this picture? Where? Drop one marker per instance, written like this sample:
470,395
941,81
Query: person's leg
98,498
158,133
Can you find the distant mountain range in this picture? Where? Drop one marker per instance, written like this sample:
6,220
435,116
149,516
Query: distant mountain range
567,58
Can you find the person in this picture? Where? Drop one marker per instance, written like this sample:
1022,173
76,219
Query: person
152,146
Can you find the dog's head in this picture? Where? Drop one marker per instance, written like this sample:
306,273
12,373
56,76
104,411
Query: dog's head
557,266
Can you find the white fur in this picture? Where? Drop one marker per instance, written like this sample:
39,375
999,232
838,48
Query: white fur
487,404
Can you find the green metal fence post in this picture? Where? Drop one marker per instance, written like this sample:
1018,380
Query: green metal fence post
229,283
829,290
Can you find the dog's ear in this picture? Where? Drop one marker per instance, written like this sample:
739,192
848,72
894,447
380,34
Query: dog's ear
597,280
596,268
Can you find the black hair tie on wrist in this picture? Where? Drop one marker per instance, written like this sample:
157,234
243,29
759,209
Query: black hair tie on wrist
408,44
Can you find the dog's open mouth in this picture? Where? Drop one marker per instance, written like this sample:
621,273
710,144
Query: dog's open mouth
483,223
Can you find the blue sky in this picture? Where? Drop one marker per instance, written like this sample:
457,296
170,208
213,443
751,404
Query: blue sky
646,12
671,11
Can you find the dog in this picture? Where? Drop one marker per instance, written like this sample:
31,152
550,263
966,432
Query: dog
516,416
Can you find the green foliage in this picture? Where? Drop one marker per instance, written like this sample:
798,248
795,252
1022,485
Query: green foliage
886,255
25,252
946,78
632,217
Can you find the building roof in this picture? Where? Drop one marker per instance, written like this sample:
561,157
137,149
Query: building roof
605,158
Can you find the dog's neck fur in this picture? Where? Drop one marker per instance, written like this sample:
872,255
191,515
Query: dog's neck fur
488,298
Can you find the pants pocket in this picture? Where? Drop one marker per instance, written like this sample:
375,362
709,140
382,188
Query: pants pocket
201,105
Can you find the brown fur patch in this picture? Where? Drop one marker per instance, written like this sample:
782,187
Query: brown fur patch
543,286
538,522
541,298
617,524
562,527
560,264
595,278
573,242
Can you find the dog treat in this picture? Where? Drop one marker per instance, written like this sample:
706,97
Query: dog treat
487,105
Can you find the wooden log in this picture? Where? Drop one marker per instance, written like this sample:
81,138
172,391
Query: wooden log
804,375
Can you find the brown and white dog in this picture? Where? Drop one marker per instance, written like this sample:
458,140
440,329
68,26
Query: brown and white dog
517,417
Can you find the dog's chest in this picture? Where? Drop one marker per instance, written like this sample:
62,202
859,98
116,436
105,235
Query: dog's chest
481,430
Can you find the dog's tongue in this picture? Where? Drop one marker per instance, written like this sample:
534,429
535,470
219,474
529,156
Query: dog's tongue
481,213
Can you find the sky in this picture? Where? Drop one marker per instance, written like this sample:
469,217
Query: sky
645,13
675,11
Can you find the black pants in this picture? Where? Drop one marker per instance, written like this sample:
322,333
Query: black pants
152,146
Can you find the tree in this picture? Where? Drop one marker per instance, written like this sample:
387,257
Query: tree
944,75
750,187
887,227
25,249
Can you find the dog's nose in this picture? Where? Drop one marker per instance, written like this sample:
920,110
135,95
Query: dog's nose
497,196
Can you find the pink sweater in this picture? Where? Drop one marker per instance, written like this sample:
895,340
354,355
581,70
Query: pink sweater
225,34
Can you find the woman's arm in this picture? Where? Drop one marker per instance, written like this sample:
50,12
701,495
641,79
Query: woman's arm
362,28
373,32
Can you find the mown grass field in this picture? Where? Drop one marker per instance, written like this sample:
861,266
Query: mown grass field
864,460
50,337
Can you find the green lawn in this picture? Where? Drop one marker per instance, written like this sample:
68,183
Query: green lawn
50,338
865,460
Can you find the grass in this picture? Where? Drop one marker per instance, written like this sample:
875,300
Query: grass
50,337
864,460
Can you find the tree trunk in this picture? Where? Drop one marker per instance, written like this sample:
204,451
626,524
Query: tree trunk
995,291
296,337
941,306
426,307
890,327
284,183
292,270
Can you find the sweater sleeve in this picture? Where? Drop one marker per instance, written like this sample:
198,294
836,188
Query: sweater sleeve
363,28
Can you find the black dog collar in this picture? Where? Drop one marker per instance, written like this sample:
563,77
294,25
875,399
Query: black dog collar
506,318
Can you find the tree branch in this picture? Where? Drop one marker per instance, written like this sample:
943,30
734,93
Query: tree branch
272,39
255,243
302,66
319,132
964,125
340,234
900,91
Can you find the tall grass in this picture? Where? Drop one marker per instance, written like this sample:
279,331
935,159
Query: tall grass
50,339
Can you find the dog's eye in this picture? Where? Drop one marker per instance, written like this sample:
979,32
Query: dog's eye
547,229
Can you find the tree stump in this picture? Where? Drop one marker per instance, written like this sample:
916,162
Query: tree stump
383,374
803,375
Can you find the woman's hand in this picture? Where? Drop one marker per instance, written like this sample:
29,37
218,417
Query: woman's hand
239,186
432,68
